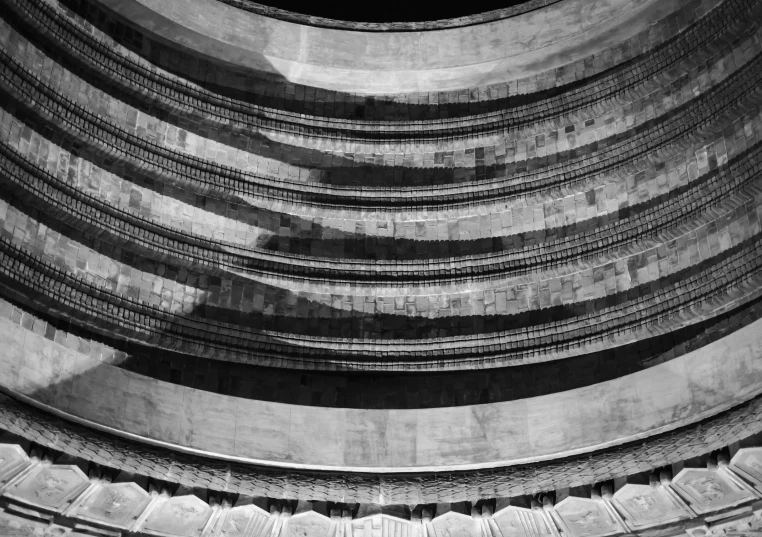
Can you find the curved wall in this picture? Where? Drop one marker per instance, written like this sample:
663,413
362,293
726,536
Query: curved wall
397,62
267,243
685,390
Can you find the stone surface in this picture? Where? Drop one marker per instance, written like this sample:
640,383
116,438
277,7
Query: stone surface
706,490
377,63
243,521
454,524
182,515
584,516
308,524
643,506
116,504
748,463
229,236
12,461
664,397
519,522
380,526
49,487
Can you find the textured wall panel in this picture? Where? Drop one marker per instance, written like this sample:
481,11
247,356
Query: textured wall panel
414,250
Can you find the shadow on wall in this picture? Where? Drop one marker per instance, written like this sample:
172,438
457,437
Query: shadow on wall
308,237
279,231
335,170
191,366
272,90
254,303
293,311
293,234
286,310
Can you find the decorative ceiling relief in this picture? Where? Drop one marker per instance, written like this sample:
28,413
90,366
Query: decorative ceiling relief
381,526
12,461
50,487
309,524
583,517
243,521
452,524
14,526
707,490
519,522
114,504
182,515
741,523
644,506
747,463
713,502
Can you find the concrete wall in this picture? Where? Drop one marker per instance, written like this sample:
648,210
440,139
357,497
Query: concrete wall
389,62
616,229
718,376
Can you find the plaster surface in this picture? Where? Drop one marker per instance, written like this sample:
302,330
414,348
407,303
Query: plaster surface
396,62
681,391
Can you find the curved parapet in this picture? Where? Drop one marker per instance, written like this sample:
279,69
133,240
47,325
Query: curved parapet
680,392
372,63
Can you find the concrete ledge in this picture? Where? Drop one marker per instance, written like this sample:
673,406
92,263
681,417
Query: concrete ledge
687,389
395,62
